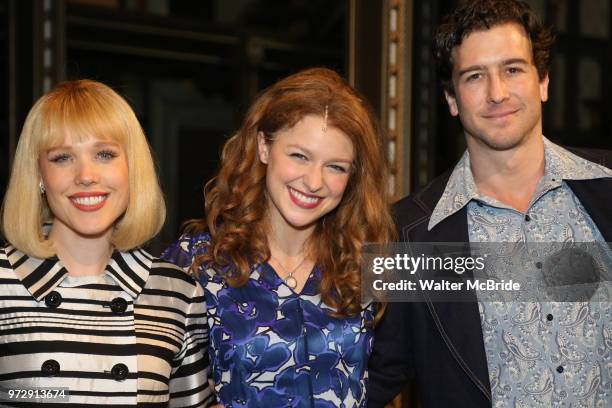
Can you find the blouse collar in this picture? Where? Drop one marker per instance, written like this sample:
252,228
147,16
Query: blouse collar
129,270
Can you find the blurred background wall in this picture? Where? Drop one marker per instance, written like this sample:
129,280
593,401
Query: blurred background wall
191,68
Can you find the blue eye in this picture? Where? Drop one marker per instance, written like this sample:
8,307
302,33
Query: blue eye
338,168
298,156
107,154
59,158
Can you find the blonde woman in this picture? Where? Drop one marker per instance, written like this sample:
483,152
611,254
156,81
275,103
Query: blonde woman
82,307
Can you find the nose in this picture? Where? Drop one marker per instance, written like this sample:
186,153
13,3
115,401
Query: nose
87,173
313,178
497,90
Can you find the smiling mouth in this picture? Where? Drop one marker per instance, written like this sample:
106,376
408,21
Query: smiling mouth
89,202
500,115
304,200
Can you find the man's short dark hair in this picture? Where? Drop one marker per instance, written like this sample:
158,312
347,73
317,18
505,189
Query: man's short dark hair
478,15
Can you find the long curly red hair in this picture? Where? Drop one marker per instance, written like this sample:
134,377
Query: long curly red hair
236,203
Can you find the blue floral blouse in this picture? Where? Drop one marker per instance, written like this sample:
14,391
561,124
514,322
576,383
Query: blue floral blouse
272,347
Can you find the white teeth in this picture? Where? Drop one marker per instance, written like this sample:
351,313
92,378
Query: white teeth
302,197
91,200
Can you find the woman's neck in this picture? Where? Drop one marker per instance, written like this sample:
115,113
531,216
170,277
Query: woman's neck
288,242
81,256
291,255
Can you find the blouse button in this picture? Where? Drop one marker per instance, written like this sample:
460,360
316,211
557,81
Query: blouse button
50,368
560,369
53,300
119,372
549,317
118,305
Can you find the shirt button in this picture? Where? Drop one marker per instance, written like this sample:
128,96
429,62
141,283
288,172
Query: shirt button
50,368
53,299
560,369
549,317
118,305
539,265
527,217
119,372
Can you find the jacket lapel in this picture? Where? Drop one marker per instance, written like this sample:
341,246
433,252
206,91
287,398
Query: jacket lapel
458,323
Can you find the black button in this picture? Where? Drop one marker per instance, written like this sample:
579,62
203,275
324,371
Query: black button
50,368
539,265
560,369
118,305
527,217
549,317
53,300
119,372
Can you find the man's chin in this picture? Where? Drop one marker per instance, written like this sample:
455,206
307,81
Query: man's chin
499,143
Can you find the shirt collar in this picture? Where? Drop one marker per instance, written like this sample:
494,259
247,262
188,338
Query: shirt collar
459,190
560,164
130,270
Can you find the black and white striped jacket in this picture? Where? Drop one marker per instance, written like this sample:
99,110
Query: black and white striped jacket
134,336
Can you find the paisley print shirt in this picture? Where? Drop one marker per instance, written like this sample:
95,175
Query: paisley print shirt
272,347
540,354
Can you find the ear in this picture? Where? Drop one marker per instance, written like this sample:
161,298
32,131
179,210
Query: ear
263,148
544,88
451,100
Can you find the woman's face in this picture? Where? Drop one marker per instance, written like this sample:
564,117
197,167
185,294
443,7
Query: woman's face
308,168
86,185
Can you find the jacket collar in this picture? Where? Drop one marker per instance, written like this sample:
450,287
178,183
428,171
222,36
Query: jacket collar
130,270
560,164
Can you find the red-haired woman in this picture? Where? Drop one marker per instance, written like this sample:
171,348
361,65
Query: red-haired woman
300,190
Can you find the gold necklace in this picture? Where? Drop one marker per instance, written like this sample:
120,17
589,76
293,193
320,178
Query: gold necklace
289,279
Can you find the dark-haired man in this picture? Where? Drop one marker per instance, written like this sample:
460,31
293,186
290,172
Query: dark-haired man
511,185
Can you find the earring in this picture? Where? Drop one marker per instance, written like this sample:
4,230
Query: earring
41,186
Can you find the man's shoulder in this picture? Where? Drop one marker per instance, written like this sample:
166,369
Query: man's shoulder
602,157
420,204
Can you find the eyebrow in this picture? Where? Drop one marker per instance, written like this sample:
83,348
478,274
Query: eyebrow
341,160
107,143
483,67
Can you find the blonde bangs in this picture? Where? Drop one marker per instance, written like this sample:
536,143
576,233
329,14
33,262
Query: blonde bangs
79,116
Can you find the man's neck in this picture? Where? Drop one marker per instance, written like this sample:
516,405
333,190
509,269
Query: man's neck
509,176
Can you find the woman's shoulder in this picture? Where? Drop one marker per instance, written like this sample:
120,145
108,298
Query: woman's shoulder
162,274
186,248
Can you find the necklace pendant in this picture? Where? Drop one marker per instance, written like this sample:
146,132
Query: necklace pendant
291,282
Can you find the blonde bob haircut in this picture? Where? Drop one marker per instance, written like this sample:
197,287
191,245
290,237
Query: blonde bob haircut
80,110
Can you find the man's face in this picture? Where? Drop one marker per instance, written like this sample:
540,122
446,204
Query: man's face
498,94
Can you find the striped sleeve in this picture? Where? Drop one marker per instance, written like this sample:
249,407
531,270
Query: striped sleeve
189,378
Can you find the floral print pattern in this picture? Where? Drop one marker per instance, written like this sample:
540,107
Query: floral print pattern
272,347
